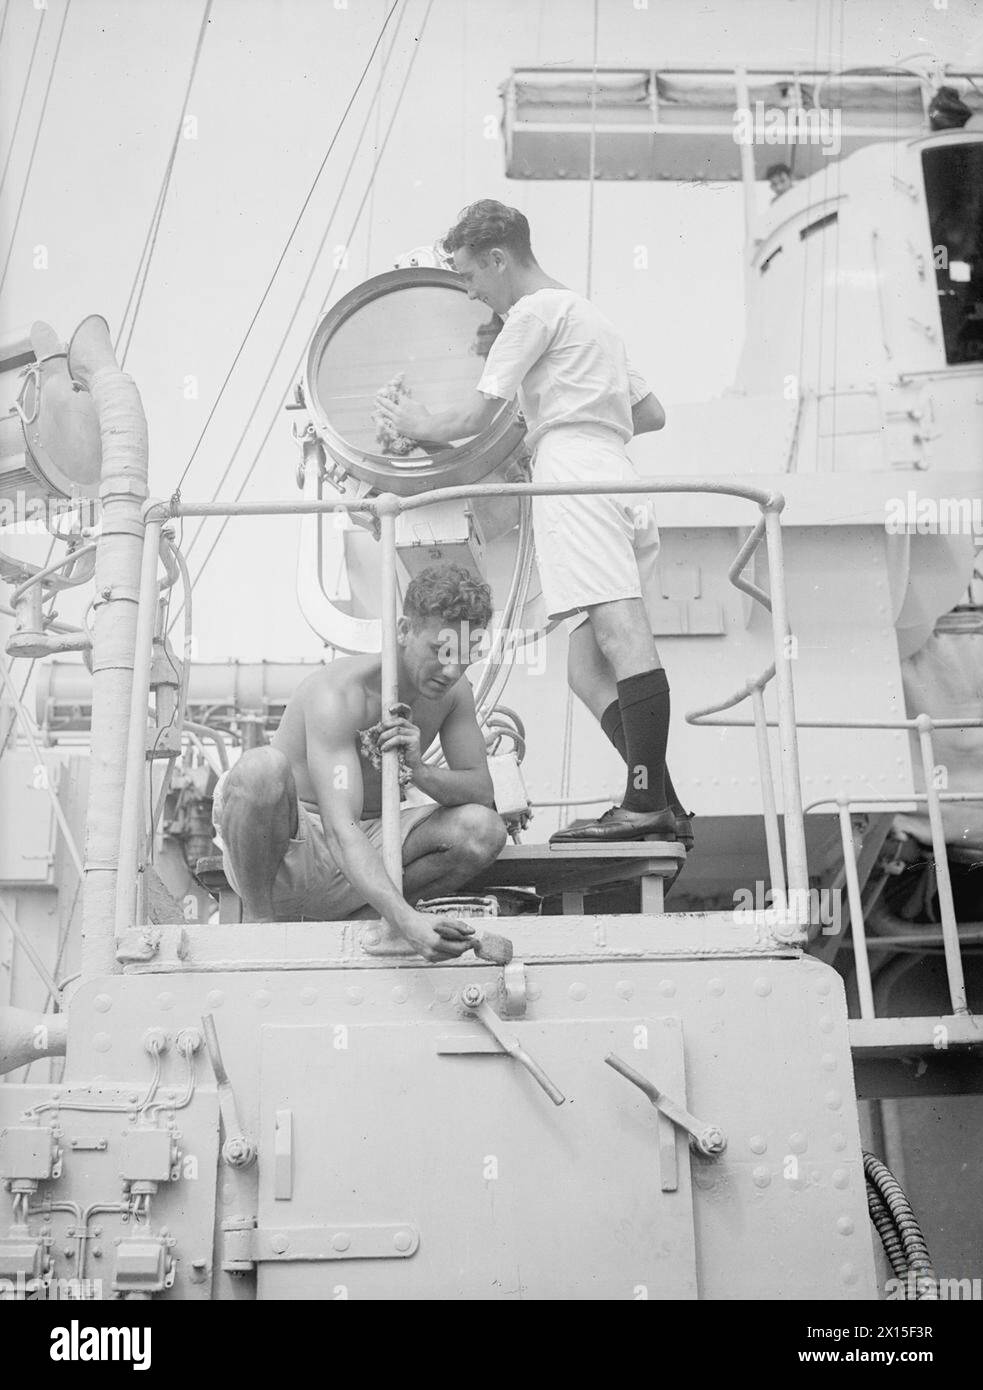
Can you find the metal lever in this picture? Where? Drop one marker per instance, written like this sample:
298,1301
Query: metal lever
238,1151
709,1139
473,999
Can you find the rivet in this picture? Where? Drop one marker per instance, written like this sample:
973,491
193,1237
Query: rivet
534,991
97,1252
716,986
762,987
704,1179
667,988
103,1002
308,995
102,1042
757,1143
403,1240
355,994
341,1240
845,1226
833,1100
577,991
823,987
827,1061
400,994
371,938
848,1274
279,1244
825,1024
624,989
797,1143
841,1178
261,998
838,1141
762,1177
443,995
165,1000
215,998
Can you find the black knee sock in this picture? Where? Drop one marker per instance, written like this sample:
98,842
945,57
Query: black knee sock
615,731
644,703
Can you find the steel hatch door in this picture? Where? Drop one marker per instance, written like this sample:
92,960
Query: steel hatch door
416,1134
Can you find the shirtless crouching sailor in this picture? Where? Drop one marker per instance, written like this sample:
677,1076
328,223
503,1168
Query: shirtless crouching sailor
300,820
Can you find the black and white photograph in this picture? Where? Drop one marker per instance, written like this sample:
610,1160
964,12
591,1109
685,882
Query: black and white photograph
491,667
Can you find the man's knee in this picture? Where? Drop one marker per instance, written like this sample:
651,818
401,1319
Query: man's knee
260,781
477,831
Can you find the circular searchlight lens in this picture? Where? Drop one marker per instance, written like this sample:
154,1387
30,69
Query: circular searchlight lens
415,331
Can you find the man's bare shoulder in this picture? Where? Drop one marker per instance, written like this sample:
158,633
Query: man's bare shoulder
340,690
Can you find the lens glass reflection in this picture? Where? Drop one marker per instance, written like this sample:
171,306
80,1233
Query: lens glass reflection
432,334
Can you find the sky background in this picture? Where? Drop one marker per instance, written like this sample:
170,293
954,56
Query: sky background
272,82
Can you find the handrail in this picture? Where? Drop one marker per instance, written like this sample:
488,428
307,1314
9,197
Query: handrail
385,509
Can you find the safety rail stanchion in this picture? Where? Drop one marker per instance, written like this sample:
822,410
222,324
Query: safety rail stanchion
132,827
795,841
865,988
773,840
947,907
387,509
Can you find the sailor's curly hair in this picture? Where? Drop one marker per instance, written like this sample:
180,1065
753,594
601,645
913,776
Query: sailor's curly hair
488,223
448,592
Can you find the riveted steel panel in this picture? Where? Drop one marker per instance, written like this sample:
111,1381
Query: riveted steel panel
513,1197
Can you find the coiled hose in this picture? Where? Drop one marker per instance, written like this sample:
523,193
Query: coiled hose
896,1224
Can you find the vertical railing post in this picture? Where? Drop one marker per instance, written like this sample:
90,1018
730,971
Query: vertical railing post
387,509
776,868
865,989
947,907
132,827
795,841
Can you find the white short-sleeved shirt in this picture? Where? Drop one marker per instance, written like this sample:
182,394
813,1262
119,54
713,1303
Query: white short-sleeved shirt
565,362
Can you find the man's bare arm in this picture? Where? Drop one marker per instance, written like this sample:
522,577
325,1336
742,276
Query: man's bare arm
337,777
647,414
415,421
466,779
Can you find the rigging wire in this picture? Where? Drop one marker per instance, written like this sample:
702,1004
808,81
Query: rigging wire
23,95
3,18
326,299
286,244
34,147
150,241
315,259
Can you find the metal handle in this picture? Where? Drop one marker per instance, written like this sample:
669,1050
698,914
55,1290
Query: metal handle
238,1151
709,1139
473,998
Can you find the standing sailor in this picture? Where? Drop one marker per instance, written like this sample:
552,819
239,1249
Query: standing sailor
596,554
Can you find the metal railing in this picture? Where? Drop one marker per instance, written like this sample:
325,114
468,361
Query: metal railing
932,798
384,510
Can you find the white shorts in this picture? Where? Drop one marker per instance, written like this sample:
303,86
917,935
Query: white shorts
591,549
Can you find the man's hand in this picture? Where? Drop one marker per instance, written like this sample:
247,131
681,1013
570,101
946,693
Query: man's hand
398,732
405,416
436,939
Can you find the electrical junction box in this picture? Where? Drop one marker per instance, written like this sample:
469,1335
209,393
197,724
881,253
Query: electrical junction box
145,1156
141,1266
444,533
26,1151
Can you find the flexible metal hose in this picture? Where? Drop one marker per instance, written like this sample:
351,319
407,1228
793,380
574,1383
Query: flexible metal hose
906,1233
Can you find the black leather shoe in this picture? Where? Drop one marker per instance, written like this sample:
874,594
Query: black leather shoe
684,830
619,824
